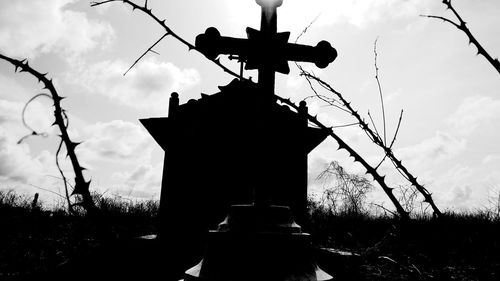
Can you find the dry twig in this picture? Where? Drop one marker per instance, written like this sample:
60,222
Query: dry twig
145,9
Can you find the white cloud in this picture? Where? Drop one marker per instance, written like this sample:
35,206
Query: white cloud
433,150
16,163
473,112
295,14
32,27
147,86
143,182
490,159
361,13
117,141
463,187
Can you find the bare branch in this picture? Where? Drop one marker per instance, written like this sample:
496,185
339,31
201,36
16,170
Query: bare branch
374,137
81,185
346,125
380,90
147,51
397,129
169,31
443,19
383,208
462,26
324,98
357,158
45,189
373,124
304,31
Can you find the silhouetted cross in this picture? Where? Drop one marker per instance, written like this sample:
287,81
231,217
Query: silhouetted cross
265,49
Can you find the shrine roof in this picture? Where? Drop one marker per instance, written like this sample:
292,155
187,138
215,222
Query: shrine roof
234,108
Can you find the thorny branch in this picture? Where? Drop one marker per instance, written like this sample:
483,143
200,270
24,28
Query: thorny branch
81,185
375,138
145,9
342,145
462,26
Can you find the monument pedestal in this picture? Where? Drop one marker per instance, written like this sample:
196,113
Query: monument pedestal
258,243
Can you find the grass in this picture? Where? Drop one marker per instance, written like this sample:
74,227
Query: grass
462,246
36,240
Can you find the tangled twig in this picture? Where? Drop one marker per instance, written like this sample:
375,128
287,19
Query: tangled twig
357,158
375,138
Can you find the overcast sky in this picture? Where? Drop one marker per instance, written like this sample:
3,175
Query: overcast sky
449,135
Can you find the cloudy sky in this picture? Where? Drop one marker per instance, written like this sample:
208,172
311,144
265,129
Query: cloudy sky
450,96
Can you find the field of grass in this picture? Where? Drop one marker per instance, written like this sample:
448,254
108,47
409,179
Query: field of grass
462,246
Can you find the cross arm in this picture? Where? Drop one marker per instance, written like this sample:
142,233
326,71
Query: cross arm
212,44
321,55
261,51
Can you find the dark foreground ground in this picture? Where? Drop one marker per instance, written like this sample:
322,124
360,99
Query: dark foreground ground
40,244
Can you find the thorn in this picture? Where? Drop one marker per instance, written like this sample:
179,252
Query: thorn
74,144
83,168
58,99
54,124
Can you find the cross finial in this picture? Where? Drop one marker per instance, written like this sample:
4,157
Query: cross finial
269,15
265,49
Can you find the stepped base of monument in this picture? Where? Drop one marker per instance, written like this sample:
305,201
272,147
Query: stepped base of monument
258,243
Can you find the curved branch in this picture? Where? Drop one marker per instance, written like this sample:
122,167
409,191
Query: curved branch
33,132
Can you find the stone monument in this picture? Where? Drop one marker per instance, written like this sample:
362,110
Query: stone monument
238,152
